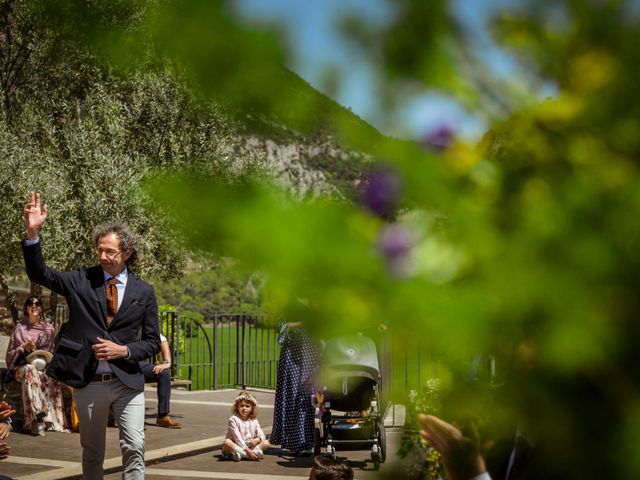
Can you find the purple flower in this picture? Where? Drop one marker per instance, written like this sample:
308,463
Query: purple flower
395,244
380,191
439,139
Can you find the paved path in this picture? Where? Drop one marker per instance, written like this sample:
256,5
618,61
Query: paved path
191,452
278,464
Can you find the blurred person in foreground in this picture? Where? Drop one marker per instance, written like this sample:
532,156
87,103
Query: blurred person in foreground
327,468
543,424
465,458
28,352
461,457
113,325
465,449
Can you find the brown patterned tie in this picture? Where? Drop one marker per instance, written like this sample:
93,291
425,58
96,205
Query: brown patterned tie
112,300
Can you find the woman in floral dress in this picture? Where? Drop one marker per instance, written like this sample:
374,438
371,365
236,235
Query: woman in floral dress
41,395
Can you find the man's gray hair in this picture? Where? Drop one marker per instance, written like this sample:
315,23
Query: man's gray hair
128,241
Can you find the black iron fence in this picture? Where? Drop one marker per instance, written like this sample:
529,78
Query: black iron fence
238,350
225,351
233,350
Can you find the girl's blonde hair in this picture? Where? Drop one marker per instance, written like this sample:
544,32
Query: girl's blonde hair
246,397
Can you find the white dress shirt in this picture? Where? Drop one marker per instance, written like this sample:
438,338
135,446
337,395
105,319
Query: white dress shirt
121,285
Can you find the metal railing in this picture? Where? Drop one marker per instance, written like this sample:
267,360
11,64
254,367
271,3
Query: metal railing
236,350
224,351
240,351
233,350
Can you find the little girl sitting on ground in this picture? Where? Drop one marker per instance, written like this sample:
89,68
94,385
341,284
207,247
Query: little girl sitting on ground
245,438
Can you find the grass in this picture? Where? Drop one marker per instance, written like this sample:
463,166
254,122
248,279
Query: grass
260,354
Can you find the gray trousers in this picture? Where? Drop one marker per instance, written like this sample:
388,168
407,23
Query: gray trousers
93,403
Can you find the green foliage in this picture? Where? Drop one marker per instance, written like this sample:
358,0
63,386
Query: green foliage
342,174
191,321
298,244
84,136
165,320
98,103
228,347
426,459
211,289
526,247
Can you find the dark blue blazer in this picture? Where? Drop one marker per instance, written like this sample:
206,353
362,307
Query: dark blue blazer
134,325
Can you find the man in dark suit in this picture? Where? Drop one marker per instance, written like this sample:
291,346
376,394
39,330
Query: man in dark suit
113,324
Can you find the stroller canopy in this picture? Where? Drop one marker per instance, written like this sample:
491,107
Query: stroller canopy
354,355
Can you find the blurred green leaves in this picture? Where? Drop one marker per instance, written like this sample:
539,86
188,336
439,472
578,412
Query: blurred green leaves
239,67
309,250
526,247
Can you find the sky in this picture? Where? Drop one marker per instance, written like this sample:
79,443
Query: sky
317,47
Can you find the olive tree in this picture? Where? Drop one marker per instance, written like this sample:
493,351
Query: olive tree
85,135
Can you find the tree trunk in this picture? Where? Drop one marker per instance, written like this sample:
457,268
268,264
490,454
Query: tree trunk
53,302
36,289
11,298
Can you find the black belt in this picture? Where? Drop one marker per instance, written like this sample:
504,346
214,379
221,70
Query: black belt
102,377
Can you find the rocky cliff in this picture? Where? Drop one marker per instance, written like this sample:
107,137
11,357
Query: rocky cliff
305,165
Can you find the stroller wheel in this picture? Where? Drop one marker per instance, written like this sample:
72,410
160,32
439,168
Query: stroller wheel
379,450
376,461
331,452
317,441
382,441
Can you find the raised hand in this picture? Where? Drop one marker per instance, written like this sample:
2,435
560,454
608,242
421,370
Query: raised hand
34,215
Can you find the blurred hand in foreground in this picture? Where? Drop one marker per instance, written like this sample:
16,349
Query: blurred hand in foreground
461,455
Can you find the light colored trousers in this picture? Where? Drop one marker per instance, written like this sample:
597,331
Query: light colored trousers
93,403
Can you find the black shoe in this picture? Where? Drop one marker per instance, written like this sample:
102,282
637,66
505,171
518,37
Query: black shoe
301,453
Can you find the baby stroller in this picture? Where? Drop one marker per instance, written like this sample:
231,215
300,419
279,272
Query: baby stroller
349,402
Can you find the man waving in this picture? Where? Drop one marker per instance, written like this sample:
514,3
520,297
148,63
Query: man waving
113,324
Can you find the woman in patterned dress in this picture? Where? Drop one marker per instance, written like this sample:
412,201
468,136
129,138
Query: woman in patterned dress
41,395
293,415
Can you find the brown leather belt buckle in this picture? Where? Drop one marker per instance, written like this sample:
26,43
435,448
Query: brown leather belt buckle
103,377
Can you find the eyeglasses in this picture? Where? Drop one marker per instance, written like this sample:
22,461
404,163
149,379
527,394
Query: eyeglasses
108,252
34,303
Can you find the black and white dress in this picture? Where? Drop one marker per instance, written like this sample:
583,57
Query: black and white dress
293,411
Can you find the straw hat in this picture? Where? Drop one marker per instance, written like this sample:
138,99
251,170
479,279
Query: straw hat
40,353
